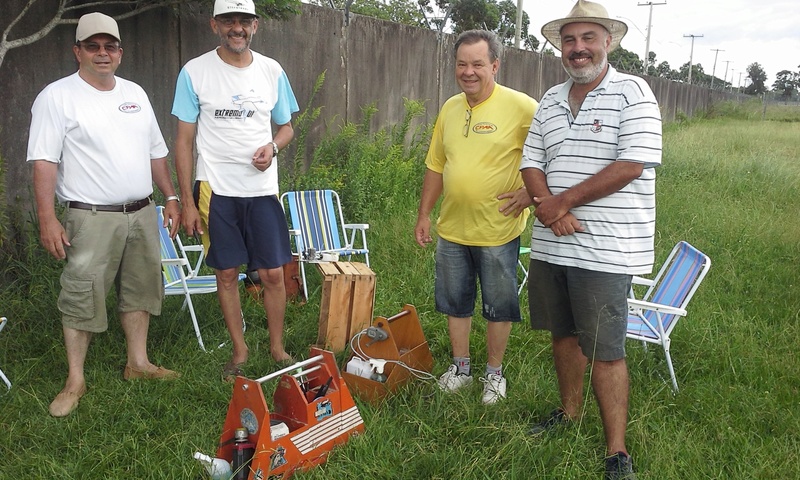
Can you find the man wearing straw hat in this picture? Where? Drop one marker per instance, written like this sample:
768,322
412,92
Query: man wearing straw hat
588,164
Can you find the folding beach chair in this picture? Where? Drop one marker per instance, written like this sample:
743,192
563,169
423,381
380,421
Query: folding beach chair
181,277
652,318
317,227
3,321
523,262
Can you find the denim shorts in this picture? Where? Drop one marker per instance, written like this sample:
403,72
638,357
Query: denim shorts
571,301
109,249
248,231
459,266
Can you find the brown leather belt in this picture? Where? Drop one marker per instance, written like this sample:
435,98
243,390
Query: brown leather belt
129,207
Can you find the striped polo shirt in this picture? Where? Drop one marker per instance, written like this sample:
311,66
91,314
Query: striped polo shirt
618,120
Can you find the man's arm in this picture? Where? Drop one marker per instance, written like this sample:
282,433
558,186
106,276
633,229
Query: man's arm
610,179
432,186
262,159
163,180
51,233
184,167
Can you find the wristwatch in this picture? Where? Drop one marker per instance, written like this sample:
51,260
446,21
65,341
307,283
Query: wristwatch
275,149
172,197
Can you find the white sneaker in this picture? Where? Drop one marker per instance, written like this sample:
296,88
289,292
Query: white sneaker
494,388
451,380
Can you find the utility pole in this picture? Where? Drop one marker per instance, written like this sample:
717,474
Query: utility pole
714,68
518,32
739,85
649,25
691,54
725,77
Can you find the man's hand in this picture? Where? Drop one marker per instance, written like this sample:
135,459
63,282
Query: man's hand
422,232
172,218
263,157
566,225
53,237
518,201
549,209
191,220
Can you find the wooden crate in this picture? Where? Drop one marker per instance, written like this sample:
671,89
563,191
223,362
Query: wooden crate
348,298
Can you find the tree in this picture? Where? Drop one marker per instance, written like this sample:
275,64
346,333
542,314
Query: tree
398,11
68,12
625,60
786,84
758,79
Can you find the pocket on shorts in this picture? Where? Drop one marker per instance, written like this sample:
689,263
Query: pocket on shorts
77,297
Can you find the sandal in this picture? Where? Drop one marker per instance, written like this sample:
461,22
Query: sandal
232,370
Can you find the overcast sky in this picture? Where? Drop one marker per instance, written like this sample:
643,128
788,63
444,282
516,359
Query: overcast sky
763,31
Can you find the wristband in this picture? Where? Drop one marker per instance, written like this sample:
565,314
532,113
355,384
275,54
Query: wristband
172,197
275,149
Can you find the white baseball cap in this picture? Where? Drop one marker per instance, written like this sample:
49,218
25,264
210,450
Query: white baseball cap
94,24
221,7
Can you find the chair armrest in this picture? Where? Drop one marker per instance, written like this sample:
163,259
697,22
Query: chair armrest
174,261
193,248
295,232
656,307
356,226
641,281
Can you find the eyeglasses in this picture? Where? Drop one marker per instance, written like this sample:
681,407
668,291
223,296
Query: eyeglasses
467,121
110,48
245,22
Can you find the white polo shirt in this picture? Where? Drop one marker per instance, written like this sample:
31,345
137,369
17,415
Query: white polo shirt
618,120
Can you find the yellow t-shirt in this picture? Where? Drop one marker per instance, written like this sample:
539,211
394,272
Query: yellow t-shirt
478,152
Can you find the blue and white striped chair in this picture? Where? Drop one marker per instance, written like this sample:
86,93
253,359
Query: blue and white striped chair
652,318
181,277
317,225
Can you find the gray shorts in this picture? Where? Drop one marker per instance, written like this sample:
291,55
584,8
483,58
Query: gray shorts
571,301
110,249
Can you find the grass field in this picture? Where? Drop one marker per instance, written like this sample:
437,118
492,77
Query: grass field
729,186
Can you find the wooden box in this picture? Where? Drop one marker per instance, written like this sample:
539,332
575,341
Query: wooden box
405,344
348,298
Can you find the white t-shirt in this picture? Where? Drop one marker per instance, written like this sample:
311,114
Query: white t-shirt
102,141
233,108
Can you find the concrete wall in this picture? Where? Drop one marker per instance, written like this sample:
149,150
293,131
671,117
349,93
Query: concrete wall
367,61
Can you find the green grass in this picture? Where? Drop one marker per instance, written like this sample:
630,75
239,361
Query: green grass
728,186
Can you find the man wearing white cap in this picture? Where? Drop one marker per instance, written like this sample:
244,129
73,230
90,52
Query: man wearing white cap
225,102
588,164
95,144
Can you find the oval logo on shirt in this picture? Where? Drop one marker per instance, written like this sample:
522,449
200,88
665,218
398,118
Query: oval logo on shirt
130,107
484,127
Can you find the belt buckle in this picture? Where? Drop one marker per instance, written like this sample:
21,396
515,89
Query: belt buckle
125,207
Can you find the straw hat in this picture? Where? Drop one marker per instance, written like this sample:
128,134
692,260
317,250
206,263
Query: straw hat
585,12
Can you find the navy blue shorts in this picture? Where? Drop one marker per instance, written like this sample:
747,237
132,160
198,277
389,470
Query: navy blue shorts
247,231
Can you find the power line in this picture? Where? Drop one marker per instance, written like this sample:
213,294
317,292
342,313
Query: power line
691,53
714,68
649,25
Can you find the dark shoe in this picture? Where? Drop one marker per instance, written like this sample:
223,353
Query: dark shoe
65,403
556,418
159,373
619,467
232,370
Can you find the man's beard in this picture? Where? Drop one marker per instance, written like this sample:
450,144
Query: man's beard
587,74
226,42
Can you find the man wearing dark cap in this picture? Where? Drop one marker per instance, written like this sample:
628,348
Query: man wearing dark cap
226,101
95,144
588,164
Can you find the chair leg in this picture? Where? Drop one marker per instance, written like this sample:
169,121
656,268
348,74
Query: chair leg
669,365
188,302
5,379
524,277
303,276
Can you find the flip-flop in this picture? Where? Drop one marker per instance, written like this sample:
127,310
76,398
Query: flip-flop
232,370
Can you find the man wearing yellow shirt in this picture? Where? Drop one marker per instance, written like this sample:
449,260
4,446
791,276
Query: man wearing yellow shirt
473,164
